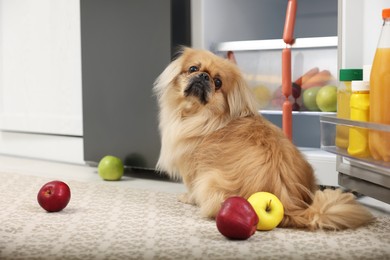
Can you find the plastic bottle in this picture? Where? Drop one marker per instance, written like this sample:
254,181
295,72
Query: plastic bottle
379,141
359,104
346,76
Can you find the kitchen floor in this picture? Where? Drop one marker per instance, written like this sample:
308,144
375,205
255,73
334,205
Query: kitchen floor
85,173
78,172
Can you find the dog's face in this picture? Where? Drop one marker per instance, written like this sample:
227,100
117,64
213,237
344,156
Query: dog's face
205,76
199,80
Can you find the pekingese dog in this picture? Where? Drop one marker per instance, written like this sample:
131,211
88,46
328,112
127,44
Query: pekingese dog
213,138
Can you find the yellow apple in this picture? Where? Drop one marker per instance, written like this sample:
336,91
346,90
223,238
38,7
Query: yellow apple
268,208
263,95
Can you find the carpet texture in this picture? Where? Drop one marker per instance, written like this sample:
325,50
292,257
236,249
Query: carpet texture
103,221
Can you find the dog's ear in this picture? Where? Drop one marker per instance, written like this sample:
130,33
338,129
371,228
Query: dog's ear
230,56
241,100
167,76
178,52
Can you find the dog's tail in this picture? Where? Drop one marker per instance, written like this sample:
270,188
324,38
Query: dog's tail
329,210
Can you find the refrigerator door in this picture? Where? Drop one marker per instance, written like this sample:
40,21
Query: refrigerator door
360,24
125,46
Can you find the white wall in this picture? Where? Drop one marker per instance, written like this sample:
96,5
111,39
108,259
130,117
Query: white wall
40,79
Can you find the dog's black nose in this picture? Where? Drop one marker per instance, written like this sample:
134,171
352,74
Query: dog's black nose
204,76
199,86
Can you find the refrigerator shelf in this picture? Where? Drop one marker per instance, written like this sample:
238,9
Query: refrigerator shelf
277,44
313,63
364,175
308,113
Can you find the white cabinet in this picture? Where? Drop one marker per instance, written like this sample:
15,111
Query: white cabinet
40,79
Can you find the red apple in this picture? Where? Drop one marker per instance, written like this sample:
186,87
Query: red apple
54,196
237,219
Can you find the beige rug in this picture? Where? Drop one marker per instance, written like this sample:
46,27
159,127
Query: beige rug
103,221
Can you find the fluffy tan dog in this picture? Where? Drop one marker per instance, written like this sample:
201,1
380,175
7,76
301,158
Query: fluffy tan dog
214,140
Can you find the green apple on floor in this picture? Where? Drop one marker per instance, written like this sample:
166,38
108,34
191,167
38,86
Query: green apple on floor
110,168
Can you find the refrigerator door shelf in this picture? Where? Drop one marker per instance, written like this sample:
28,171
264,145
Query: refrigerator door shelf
364,175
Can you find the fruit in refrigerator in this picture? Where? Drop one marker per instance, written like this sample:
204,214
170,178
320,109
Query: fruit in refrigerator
263,95
326,98
309,98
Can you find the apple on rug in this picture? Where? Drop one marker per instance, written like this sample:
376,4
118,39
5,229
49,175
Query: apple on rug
105,221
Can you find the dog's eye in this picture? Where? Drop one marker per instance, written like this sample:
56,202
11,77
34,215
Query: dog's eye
193,69
217,83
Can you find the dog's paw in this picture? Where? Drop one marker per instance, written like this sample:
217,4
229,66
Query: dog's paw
186,198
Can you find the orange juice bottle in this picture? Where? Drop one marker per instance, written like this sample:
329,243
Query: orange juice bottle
379,141
346,76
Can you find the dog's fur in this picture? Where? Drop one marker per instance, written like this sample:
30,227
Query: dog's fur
216,142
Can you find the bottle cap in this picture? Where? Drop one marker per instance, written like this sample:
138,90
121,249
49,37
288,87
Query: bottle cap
366,72
351,74
359,85
386,13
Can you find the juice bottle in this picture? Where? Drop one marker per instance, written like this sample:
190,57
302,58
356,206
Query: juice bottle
359,104
346,76
379,141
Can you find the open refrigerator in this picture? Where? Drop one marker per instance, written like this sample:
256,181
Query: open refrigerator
329,35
